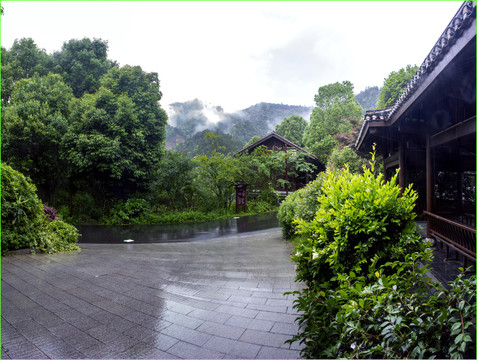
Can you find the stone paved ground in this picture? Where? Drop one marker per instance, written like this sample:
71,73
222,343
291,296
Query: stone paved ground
217,298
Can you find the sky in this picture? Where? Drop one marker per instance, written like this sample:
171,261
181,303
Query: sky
235,54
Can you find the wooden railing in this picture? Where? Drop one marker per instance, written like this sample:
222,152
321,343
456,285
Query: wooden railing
458,236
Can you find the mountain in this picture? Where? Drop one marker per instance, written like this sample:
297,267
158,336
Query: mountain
191,117
368,98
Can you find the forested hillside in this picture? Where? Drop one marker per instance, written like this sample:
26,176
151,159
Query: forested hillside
191,117
368,98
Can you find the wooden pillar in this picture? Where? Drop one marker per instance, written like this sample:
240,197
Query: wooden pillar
429,180
402,164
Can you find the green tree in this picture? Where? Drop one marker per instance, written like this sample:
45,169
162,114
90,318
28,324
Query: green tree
32,128
368,98
346,156
217,174
292,128
22,61
108,144
205,142
394,85
82,63
174,181
252,140
335,107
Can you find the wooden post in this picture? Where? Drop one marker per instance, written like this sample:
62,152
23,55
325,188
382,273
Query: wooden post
402,165
429,181
286,168
71,196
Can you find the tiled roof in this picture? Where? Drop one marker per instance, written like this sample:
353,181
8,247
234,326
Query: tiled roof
273,134
461,21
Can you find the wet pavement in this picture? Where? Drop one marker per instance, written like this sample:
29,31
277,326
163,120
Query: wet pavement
217,298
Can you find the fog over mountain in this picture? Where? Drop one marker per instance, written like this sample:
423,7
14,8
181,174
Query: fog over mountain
190,117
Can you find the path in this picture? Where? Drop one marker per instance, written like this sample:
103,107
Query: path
217,298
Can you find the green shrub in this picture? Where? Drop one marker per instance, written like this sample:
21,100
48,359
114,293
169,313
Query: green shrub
301,204
367,295
132,211
392,317
287,214
22,210
361,221
24,222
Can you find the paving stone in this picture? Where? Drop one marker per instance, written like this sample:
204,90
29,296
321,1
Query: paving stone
209,315
192,300
285,328
21,348
193,336
226,331
264,338
233,347
248,323
267,352
190,351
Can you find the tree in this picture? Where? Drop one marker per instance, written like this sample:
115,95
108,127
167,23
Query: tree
205,142
252,140
116,135
394,85
292,128
32,128
335,106
22,61
368,98
82,63
217,174
174,181
346,156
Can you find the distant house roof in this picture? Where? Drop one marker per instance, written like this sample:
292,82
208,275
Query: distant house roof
452,40
274,137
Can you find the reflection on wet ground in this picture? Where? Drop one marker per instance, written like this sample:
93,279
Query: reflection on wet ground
221,298
159,233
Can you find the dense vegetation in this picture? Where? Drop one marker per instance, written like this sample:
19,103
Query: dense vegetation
90,135
26,222
367,294
195,116
368,98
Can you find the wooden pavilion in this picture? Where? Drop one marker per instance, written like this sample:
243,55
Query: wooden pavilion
429,134
276,142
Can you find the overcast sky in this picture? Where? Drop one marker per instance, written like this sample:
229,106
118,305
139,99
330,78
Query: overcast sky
236,54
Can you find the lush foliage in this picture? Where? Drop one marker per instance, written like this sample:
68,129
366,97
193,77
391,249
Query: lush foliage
335,106
368,98
33,126
191,117
367,294
394,85
346,156
24,222
292,128
301,204
82,63
200,144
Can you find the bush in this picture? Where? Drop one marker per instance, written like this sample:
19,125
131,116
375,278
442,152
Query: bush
132,211
24,221
287,214
301,204
367,296
22,211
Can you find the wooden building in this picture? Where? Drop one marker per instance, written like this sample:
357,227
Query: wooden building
276,142
429,134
